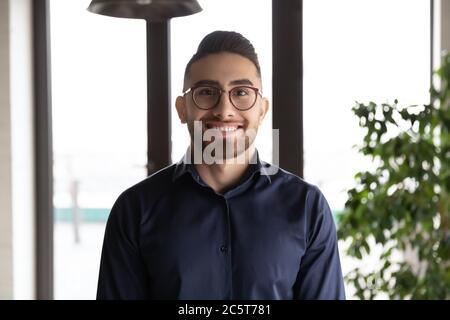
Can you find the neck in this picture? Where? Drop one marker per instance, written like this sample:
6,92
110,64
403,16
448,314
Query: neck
221,177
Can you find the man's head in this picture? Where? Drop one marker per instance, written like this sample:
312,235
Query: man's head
222,89
223,41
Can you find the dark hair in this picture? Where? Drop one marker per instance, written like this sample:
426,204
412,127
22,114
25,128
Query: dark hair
225,41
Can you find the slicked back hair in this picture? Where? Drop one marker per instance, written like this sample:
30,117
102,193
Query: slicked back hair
224,41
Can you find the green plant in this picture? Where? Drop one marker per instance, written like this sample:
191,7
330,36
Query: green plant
404,202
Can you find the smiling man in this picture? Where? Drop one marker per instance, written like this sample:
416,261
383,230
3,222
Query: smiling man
221,223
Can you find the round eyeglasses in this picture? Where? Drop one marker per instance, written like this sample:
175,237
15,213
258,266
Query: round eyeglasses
207,97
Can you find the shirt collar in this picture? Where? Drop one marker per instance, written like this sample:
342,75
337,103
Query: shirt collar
185,166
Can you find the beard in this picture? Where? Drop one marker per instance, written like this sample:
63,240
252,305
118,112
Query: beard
218,147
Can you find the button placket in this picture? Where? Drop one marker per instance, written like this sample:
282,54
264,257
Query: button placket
225,249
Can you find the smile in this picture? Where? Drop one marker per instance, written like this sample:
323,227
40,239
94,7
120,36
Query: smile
224,127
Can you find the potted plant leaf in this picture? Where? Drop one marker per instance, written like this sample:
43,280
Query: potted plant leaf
403,203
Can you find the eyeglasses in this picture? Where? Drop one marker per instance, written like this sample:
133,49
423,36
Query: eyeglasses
207,97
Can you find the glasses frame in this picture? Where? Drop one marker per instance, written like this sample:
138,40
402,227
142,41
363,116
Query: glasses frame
192,89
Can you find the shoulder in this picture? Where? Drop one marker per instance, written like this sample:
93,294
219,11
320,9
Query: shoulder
285,180
158,180
296,192
136,202
146,191
310,202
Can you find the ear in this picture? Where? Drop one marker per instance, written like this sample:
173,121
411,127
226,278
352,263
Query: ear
181,109
264,109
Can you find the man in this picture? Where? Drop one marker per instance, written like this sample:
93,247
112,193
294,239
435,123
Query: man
225,225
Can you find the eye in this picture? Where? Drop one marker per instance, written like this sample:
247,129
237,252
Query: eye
241,92
206,91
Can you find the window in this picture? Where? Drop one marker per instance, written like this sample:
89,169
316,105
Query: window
372,52
100,133
357,51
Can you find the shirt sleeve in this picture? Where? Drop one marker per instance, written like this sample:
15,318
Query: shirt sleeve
320,275
122,271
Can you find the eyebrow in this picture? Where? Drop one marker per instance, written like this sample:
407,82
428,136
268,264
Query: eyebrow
241,82
217,84
207,83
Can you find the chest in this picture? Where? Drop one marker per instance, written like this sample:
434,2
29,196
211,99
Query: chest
256,240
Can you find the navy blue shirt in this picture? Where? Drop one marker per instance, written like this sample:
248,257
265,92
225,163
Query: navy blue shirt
172,237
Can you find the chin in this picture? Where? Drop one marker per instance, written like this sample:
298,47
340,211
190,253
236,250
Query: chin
227,150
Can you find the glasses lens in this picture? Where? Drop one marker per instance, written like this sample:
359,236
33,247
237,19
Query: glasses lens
206,97
243,97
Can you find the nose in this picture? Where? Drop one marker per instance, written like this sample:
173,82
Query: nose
224,108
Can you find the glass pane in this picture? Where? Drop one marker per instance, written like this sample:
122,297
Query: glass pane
377,50
99,123
251,18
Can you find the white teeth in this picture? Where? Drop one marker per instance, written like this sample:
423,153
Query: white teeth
226,129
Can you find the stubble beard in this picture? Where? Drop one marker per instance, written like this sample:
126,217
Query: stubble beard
210,147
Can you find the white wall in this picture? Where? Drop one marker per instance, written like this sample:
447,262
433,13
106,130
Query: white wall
16,152
6,287
23,205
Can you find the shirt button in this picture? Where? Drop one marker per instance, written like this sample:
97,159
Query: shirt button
224,249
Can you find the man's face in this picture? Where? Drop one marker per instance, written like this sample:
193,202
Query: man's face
225,71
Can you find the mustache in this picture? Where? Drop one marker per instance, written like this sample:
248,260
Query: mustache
215,120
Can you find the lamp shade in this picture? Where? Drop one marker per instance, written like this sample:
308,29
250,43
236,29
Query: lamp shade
150,10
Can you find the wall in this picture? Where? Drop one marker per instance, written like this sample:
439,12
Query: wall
16,152
23,205
6,284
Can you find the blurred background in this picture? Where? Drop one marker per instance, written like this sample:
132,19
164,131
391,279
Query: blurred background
352,50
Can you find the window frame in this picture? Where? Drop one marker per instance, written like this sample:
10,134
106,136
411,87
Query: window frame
287,101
